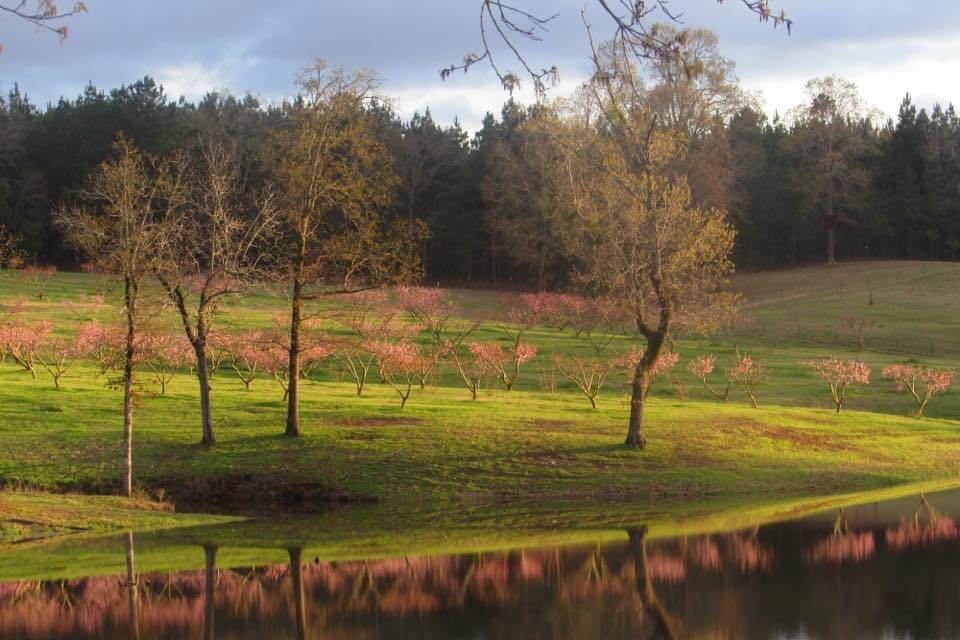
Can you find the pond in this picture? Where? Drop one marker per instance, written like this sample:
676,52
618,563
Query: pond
880,570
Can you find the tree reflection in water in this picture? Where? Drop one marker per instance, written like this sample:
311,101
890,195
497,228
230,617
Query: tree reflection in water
743,584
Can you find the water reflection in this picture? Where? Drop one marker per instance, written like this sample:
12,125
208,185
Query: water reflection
876,571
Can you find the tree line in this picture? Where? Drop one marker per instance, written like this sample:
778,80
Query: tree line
827,180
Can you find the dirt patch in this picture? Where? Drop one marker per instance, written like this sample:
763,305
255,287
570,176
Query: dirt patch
552,425
253,494
377,421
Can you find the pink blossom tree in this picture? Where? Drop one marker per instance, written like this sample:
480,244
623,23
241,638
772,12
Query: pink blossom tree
246,355
399,364
748,372
922,382
57,355
22,341
504,363
433,310
840,375
627,362
372,322
473,367
104,343
704,365
84,308
164,354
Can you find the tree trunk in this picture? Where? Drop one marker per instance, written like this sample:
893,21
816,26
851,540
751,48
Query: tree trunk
638,396
648,597
209,589
293,375
203,378
299,603
132,594
831,244
130,300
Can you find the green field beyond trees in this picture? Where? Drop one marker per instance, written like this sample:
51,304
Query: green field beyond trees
529,447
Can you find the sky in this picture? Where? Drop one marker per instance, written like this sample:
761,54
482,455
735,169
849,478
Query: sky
888,48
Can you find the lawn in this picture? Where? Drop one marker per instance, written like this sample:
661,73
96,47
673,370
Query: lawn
531,446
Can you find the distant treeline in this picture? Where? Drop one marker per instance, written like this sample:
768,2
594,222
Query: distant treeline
896,193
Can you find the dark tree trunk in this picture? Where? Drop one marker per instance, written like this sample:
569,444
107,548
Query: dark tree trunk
130,300
299,601
831,244
293,374
203,378
648,597
209,590
638,398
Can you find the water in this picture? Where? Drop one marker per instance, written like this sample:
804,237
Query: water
887,570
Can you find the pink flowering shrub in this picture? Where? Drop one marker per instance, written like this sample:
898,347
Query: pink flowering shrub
21,342
922,382
840,375
399,364
702,367
104,343
164,354
84,308
246,354
748,372
57,355
472,367
504,363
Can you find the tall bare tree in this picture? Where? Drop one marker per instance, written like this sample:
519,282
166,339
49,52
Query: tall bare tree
117,226
334,182
212,248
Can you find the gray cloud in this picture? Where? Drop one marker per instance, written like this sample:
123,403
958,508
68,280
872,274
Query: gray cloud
253,46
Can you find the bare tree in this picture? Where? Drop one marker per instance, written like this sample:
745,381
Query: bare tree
211,250
116,225
334,182
634,29
43,14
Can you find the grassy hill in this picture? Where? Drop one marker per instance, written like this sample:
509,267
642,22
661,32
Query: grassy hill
528,446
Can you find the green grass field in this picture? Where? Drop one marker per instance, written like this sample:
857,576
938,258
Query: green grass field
529,446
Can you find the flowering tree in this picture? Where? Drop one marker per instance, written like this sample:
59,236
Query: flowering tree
372,322
276,361
57,355
627,362
922,382
747,372
11,252
104,343
399,364
839,375
472,367
246,355
588,374
22,341
523,312
433,310
600,320
37,278
504,363
315,346
859,326
702,367
84,308
163,354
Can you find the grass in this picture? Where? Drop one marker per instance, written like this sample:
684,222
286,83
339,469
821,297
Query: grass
526,449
